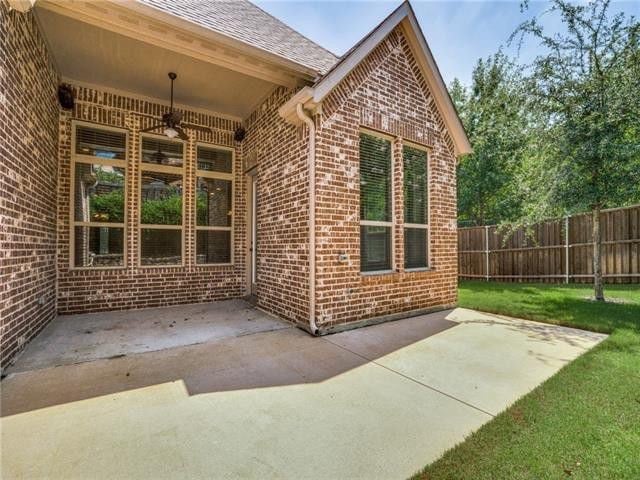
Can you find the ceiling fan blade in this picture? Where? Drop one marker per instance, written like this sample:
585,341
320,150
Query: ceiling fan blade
181,133
196,127
153,117
155,127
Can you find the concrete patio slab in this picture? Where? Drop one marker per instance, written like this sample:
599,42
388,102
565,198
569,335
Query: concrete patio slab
82,338
487,361
370,403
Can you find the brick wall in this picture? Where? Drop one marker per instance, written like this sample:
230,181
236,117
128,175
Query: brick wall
282,203
386,93
135,286
28,177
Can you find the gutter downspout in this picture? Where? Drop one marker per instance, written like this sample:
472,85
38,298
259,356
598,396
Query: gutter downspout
311,159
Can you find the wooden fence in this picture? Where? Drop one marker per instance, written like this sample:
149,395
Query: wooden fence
558,251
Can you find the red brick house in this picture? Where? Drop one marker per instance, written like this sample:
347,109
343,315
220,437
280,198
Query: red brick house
324,187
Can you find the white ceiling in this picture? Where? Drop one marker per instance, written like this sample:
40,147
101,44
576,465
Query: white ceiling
96,56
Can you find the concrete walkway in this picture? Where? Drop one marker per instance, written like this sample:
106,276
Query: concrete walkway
379,402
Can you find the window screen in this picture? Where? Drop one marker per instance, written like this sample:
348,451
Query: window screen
156,151
415,207
214,205
161,202
214,160
375,178
375,203
98,197
101,143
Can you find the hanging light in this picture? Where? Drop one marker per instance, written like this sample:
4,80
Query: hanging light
170,132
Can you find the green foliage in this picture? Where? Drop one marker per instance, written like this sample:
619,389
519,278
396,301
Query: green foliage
585,88
201,208
493,113
582,422
164,211
107,207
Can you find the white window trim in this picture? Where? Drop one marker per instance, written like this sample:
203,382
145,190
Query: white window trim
92,160
149,167
219,176
427,226
373,223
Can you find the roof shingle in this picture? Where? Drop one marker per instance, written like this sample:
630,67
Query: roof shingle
244,21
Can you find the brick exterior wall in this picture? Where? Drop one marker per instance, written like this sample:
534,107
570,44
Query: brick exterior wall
388,94
280,150
135,286
28,177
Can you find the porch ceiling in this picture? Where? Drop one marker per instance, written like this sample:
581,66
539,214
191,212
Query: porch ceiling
88,54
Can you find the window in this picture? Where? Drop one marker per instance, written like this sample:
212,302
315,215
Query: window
416,199
161,202
214,205
98,168
375,203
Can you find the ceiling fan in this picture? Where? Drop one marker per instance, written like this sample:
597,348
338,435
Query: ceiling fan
172,123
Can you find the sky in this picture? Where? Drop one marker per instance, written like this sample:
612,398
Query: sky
458,32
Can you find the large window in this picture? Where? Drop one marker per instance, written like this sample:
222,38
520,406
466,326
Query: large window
161,202
214,205
416,198
98,166
375,203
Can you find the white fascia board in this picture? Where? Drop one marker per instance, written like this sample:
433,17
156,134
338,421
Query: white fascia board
288,110
436,84
404,16
335,76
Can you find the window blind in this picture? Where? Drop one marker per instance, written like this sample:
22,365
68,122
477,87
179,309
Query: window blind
100,143
415,207
214,160
375,203
375,178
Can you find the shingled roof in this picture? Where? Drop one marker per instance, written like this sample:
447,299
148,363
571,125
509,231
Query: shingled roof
245,22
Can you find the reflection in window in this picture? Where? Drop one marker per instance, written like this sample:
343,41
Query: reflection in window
161,202
98,246
213,246
156,151
98,197
99,193
161,198
161,246
102,143
213,202
214,205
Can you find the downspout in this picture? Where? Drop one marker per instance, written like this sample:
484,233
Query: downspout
311,160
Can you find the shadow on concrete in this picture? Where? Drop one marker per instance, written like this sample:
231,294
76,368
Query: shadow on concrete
262,359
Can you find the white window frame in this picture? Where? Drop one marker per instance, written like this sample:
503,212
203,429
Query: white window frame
426,226
217,176
93,160
149,167
373,223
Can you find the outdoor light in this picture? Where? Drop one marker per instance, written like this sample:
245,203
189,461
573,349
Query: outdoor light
170,132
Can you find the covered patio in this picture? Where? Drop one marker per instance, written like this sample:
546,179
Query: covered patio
250,396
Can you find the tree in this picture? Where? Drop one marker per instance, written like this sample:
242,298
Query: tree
492,111
586,85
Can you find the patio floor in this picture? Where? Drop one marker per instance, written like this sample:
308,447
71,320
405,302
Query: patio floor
378,402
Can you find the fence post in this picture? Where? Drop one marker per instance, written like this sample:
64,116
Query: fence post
567,276
486,251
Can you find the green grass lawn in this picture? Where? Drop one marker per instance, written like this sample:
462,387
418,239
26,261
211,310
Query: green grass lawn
584,422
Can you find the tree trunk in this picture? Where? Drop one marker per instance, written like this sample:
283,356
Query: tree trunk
598,288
